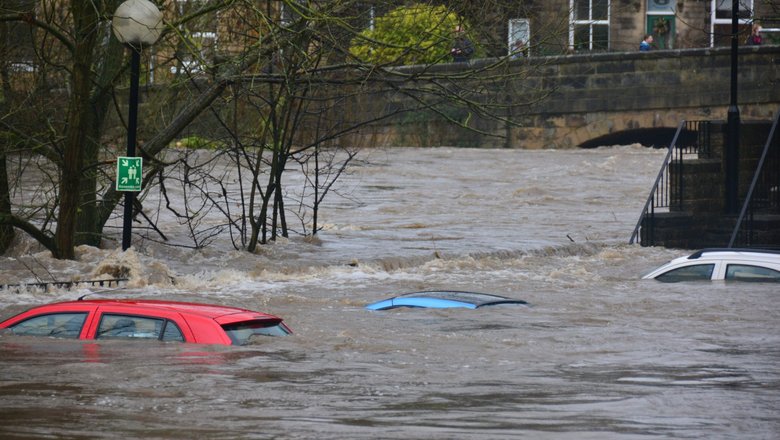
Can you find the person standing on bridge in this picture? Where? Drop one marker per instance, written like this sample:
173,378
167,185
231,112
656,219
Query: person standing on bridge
645,45
462,49
754,39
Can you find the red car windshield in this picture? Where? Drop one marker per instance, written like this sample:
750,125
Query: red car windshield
241,332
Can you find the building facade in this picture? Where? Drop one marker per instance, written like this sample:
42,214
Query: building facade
619,25
196,46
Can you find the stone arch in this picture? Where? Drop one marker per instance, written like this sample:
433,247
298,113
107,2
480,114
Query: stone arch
655,137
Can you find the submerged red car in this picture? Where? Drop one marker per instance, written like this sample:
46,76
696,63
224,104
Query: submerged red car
146,319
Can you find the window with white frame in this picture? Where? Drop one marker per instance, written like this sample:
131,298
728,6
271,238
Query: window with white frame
589,24
519,37
722,9
720,16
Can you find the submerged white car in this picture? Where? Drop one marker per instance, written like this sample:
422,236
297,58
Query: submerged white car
721,264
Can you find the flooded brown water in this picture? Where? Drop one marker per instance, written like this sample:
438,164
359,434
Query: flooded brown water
599,354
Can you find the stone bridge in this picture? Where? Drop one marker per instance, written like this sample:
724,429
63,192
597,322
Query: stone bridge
612,98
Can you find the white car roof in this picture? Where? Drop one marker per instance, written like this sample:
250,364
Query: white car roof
760,257
742,254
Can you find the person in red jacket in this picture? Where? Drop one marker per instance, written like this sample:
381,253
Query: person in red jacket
754,39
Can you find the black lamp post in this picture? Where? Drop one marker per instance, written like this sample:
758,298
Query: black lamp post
136,23
732,147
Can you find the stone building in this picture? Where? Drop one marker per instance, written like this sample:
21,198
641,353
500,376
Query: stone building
619,25
554,27
545,27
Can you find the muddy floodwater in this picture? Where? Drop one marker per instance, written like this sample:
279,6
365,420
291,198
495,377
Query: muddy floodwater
599,354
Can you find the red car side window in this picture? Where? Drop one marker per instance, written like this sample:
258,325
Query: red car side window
115,326
171,332
60,325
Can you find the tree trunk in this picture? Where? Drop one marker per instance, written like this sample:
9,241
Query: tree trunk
89,227
6,231
86,22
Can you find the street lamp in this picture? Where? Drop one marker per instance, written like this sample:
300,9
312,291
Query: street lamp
136,23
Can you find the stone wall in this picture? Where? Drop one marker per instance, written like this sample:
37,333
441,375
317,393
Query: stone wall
591,96
629,25
594,95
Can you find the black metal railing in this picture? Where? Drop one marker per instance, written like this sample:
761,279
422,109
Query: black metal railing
763,196
691,138
65,284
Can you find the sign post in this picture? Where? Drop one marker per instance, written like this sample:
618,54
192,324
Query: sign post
128,180
128,173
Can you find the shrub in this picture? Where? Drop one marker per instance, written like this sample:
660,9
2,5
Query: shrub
417,34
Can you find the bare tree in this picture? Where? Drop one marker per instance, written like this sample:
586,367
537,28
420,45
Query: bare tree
283,87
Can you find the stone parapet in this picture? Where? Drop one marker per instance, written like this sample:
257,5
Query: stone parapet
589,97
596,95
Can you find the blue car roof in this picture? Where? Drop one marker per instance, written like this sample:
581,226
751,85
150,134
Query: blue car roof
440,299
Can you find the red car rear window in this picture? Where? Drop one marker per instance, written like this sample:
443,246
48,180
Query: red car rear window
241,332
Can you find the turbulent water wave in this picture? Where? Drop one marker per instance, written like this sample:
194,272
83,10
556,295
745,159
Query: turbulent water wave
486,208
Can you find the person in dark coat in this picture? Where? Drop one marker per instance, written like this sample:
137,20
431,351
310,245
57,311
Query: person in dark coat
462,48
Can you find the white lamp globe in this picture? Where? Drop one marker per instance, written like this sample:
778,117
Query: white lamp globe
137,23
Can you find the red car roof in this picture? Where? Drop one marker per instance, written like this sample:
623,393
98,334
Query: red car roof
222,314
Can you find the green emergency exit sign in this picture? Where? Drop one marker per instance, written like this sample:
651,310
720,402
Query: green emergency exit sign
128,173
